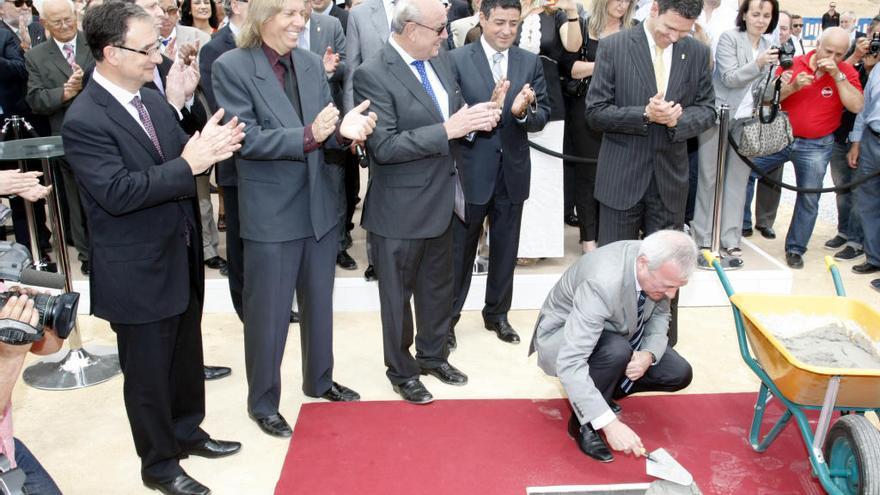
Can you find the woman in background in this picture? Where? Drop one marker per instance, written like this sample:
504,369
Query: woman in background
200,14
605,18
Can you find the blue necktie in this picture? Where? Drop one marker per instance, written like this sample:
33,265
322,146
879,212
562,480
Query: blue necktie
636,339
423,75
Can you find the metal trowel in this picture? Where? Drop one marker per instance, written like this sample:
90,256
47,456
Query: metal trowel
661,465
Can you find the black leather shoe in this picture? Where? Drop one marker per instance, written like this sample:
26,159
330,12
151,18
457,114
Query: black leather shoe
865,268
767,232
370,274
85,268
215,262
589,440
294,317
274,425
615,407
224,271
447,374
216,372
747,232
414,392
572,220
181,485
341,393
875,284
849,253
835,242
346,262
504,331
794,260
213,449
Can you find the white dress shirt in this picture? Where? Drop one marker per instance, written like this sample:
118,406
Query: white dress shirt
436,85
72,44
489,51
122,95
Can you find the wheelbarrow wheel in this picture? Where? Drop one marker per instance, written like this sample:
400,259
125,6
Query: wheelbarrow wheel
852,451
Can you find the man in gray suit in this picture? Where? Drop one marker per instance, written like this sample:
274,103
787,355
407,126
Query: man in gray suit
56,75
651,93
414,192
287,200
602,331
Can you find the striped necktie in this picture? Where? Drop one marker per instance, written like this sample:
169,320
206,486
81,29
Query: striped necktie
148,124
636,340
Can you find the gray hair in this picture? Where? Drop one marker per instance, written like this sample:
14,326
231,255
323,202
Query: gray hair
227,7
849,14
670,246
404,11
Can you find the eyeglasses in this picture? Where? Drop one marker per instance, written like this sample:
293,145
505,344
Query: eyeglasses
19,3
797,25
61,22
148,52
171,11
438,30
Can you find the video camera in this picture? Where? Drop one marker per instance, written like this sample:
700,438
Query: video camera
786,55
56,312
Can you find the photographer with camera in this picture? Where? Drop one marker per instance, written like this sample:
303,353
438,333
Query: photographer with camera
19,310
815,91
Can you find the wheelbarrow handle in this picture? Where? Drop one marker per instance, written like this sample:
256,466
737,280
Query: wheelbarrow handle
835,275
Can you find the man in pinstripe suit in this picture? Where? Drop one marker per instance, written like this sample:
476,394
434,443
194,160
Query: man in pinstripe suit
651,91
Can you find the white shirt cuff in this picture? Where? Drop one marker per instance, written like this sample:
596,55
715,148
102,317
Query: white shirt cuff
603,420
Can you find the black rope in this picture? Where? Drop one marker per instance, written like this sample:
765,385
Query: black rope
568,158
770,180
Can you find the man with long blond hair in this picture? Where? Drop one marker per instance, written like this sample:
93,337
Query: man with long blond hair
287,200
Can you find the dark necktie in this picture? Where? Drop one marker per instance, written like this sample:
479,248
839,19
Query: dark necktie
423,76
636,339
290,85
148,124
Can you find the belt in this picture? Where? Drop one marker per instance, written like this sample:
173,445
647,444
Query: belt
875,133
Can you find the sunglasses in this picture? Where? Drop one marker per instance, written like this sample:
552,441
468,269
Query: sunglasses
797,25
19,3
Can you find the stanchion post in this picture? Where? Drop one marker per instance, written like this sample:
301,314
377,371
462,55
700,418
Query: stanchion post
14,123
727,262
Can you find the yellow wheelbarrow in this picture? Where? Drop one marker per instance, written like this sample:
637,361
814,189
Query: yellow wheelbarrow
846,456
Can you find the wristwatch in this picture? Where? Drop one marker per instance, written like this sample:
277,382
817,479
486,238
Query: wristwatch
840,76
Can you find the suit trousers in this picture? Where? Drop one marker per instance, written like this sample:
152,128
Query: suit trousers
608,363
648,216
766,200
272,271
736,175
210,234
76,215
234,249
164,387
420,270
505,218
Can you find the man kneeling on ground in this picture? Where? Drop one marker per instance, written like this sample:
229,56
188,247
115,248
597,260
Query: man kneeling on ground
602,331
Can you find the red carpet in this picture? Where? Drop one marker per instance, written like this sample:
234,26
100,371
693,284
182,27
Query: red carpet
487,447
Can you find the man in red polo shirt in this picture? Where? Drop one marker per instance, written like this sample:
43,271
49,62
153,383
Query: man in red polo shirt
814,92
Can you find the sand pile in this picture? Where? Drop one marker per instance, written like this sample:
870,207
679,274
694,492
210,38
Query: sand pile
824,340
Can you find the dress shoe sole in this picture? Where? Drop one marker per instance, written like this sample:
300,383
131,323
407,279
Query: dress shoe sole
158,487
437,376
207,454
418,403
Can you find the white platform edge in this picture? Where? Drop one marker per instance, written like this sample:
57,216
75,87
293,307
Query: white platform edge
356,294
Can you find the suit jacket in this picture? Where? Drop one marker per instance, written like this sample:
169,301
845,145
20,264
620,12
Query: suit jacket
283,193
48,70
222,42
341,15
138,206
596,294
326,31
735,68
459,9
411,193
367,33
35,30
459,29
633,151
507,146
13,75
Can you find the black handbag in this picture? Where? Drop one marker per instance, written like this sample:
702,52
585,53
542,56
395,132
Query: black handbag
760,134
577,88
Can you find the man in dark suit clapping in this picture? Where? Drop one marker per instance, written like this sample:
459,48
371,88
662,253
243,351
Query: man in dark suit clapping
135,169
414,193
495,166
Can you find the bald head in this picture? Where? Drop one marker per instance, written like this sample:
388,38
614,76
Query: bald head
419,26
59,18
833,43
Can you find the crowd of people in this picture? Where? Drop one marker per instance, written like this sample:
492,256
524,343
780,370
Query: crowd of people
282,101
